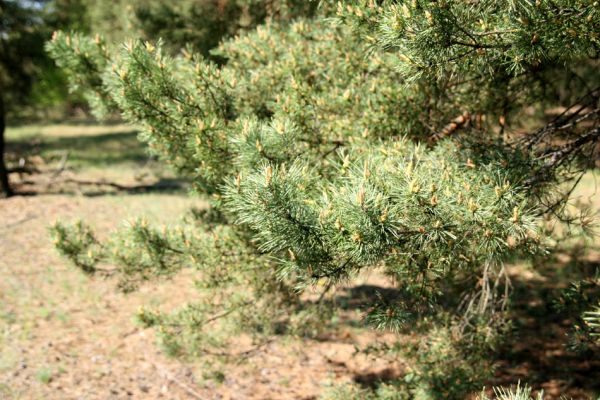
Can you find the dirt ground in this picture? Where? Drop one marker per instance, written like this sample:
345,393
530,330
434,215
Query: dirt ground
66,336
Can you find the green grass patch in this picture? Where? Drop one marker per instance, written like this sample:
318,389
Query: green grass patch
44,375
87,146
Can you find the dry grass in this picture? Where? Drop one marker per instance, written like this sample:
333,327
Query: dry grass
64,336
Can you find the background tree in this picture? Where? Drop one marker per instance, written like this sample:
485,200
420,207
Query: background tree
30,82
200,24
21,51
406,136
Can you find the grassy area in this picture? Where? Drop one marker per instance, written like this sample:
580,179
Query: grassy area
72,158
89,146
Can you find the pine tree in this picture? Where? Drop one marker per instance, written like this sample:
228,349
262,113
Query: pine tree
408,136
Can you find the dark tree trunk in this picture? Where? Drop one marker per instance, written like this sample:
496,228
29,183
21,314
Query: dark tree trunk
5,190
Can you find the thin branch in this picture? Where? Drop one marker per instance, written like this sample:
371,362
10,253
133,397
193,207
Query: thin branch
171,378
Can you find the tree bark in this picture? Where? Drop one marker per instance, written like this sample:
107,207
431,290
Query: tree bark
5,190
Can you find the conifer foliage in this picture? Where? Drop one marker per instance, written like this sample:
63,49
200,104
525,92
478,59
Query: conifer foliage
380,134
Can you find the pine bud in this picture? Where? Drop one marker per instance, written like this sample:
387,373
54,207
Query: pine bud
511,241
498,191
434,200
346,162
404,58
472,206
292,255
515,217
446,175
470,163
366,172
405,11
356,237
268,175
259,146
384,215
360,197
533,236
238,181
414,186
129,45
279,127
429,17
338,224
409,169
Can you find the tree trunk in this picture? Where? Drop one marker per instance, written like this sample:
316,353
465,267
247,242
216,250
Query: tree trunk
5,190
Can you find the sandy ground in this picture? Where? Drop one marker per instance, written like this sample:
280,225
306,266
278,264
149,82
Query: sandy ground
64,336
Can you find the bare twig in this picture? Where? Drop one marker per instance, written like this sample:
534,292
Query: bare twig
171,378
61,166
452,127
